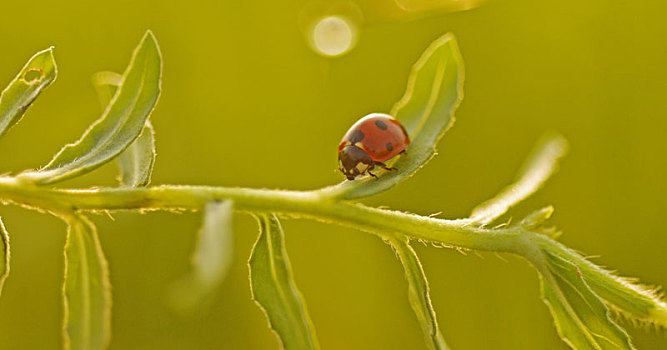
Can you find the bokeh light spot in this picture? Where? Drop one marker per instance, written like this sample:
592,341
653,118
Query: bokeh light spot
333,36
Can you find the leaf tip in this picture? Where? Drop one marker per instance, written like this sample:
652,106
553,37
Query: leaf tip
149,38
557,141
148,45
659,314
538,217
449,40
47,51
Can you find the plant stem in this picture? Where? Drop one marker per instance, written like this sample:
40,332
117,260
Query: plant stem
316,205
312,205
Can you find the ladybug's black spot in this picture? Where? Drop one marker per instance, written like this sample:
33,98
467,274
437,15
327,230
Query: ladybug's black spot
380,124
389,146
356,136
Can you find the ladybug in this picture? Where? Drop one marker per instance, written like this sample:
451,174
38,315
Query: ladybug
371,141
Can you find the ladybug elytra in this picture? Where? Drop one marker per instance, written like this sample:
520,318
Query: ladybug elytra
370,142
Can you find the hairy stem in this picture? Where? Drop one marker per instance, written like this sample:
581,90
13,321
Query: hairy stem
387,224
312,205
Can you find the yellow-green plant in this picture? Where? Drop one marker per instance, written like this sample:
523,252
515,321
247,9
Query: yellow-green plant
579,294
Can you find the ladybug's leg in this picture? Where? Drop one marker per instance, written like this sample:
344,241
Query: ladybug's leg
371,167
383,166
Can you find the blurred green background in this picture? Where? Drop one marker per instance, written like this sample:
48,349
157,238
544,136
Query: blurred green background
246,100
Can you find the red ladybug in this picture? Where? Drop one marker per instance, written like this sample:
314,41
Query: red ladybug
372,140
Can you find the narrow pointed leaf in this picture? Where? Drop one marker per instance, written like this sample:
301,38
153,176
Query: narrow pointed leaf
634,300
581,317
537,218
536,170
213,253
435,89
211,260
136,161
418,294
274,290
628,297
37,75
569,327
4,254
87,290
106,84
121,123
625,295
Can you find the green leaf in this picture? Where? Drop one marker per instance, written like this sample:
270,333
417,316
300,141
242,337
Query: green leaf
106,84
211,260
537,218
535,171
581,317
213,254
136,161
36,76
636,301
274,290
435,89
418,294
87,290
4,254
625,295
121,123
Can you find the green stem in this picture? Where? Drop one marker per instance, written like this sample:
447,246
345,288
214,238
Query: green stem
312,205
315,205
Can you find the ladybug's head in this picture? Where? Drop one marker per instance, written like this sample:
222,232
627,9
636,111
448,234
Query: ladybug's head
353,161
